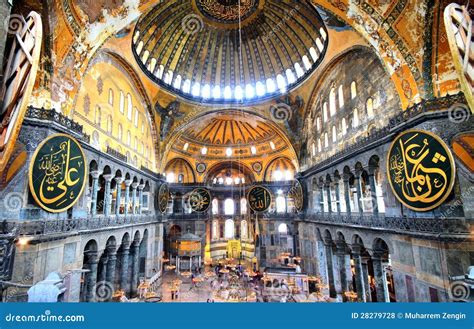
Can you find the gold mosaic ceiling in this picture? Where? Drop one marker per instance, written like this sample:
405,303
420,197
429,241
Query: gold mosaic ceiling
196,50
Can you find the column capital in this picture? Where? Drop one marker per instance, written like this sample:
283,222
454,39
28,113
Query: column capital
134,186
92,257
141,187
108,178
356,249
119,180
128,182
95,174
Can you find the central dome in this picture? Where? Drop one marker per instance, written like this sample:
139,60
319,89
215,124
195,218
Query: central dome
195,49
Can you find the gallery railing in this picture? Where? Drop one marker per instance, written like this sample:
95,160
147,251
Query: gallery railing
58,226
430,226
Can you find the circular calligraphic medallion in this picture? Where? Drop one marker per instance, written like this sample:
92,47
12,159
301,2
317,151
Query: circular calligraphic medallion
163,197
296,192
200,200
57,173
257,166
420,169
201,167
259,198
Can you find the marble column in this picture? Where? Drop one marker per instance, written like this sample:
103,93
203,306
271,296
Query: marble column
90,278
102,269
95,188
347,195
373,193
134,197
135,249
107,195
357,180
329,201
365,277
124,275
379,278
338,196
330,268
127,182
341,252
118,198
140,198
359,273
323,266
111,268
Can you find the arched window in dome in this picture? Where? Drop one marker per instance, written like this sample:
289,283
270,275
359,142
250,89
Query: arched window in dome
229,229
243,206
332,102
168,77
299,70
306,63
355,121
323,33
111,97
281,83
290,76
136,36
122,102
318,123
326,140
215,206
260,88
196,91
289,175
271,87
249,91
139,48
253,150
325,112
229,207
341,96
152,65
177,82
187,86
159,72
206,91
146,54
370,108
216,92
239,93
314,54
280,203
129,107
353,90
334,134
320,45
227,92
344,127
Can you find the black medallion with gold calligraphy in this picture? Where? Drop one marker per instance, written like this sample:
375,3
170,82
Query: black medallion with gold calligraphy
259,198
420,169
200,200
57,173
163,197
296,192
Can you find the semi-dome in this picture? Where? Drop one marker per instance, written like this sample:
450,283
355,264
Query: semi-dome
204,50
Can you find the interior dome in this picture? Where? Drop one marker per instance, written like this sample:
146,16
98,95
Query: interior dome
196,50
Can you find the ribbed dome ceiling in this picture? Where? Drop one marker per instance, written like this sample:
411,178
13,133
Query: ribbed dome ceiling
192,47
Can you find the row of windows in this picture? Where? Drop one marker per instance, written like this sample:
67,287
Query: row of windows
229,230
130,107
229,205
248,91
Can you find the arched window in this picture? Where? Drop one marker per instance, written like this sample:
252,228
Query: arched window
326,140
290,76
244,229
229,229
146,54
249,91
177,82
332,102
187,86
334,134
120,132
243,206
306,62
313,149
319,145
206,91
353,90
229,207
314,54
370,108
318,124
95,140
325,112
122,102
136,117
129,138
283,229
152,65
281,83
341,97
170,177
215,234
111,97
129,107
299,70
135,144
215,206
260,88
271,87
319,44
227,92
216,92
344,127
355,121
238,92
277,175
196,90
280,202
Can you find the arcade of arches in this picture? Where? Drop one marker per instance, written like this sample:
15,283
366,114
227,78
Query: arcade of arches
234,151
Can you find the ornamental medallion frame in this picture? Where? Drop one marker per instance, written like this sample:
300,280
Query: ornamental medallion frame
31,182
196,191
452,170
264,189
161,207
